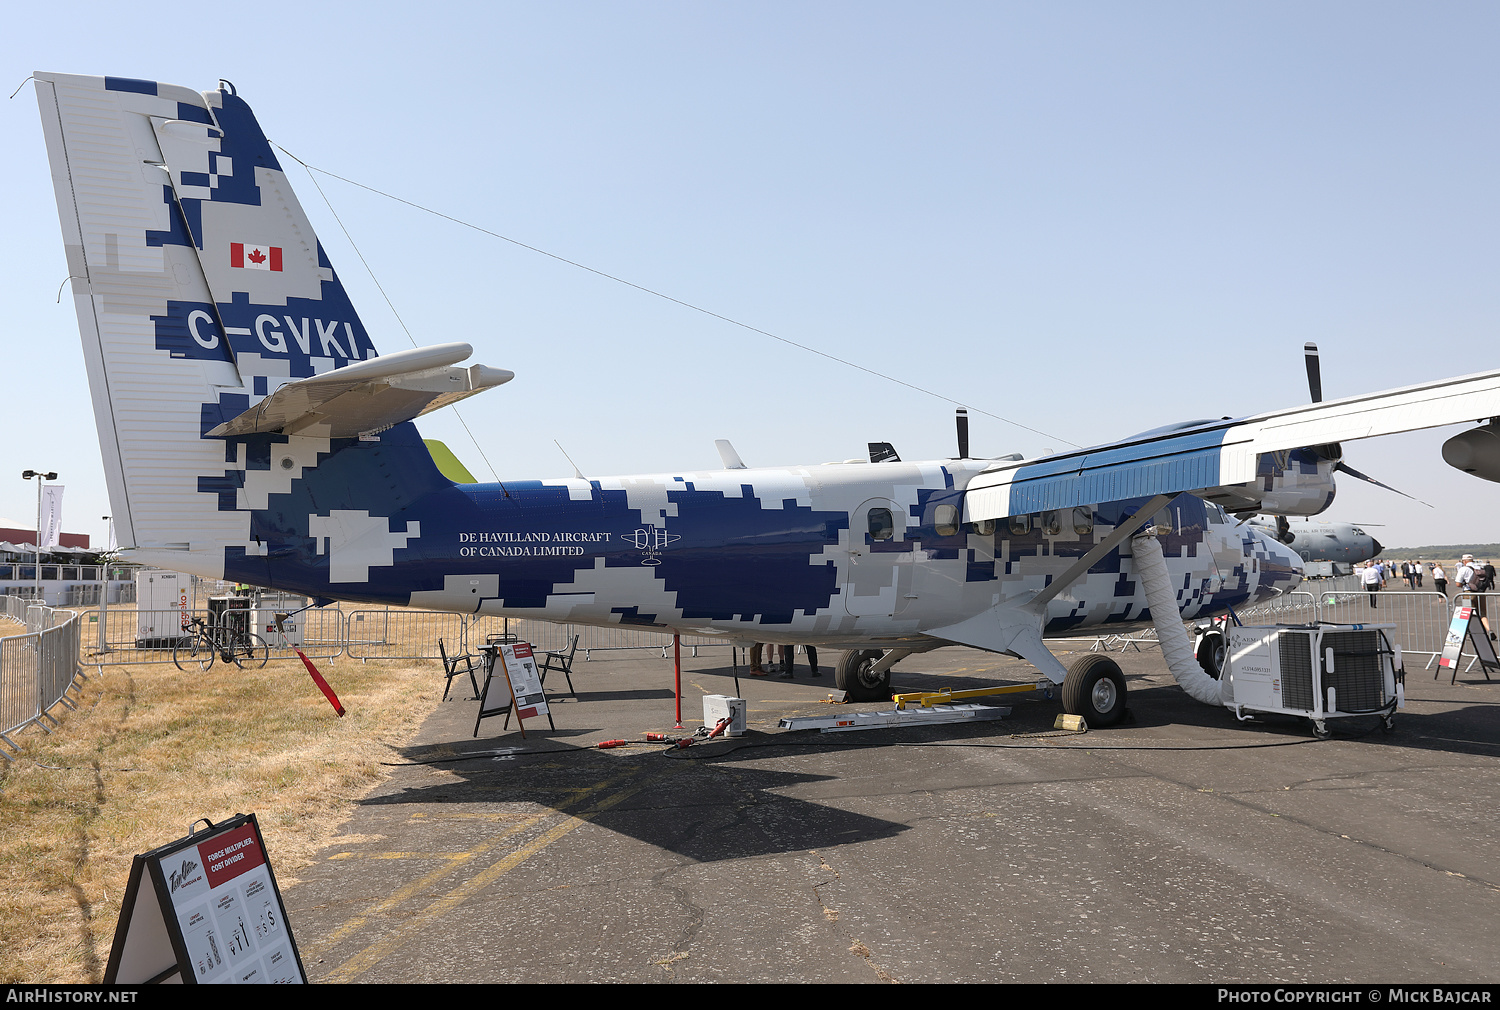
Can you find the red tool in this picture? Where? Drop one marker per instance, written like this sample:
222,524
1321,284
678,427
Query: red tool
317,677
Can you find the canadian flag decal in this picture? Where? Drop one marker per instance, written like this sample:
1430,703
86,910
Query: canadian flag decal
255,257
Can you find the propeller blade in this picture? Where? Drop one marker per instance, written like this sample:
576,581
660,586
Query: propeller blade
1315,375
1346,468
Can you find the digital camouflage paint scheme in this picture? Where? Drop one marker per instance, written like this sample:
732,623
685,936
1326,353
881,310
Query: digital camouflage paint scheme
219,340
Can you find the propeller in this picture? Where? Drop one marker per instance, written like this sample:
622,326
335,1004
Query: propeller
1314,372
1334,450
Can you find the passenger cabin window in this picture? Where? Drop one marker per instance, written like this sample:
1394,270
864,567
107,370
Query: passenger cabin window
945,520
1083,520
1051,523
1020,525
882,527
985,527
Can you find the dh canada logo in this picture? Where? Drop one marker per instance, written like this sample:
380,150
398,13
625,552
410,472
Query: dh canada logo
651,541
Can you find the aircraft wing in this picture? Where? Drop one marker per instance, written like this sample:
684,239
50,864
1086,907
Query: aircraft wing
368,396
1223,459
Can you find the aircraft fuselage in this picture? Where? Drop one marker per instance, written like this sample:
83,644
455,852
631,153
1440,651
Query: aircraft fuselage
836,554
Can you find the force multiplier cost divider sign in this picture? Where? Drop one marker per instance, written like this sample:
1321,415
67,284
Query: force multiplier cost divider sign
205,908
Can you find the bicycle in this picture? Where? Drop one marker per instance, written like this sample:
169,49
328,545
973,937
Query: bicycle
211,641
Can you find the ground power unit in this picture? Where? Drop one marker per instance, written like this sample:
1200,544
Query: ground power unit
1318,671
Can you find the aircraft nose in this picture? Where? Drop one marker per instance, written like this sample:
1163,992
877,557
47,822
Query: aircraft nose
1376,544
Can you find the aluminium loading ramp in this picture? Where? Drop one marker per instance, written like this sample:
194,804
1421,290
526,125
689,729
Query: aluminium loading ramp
934,716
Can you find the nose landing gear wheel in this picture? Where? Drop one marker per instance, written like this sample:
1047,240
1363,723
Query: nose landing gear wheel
1095,689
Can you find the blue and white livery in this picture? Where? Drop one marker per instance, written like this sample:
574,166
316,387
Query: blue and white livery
250,431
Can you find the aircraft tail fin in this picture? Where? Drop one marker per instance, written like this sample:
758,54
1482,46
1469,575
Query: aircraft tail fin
211,320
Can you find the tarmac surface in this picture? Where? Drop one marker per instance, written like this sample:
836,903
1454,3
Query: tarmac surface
1181,846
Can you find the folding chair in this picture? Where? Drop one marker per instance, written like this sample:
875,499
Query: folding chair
562,660
455,666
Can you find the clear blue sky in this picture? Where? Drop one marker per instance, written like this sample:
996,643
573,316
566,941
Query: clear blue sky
1092,218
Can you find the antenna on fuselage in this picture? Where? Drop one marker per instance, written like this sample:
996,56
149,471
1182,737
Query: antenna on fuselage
576,472
961,418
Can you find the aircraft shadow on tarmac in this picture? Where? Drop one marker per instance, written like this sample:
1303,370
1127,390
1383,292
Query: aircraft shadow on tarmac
1461,729
701,810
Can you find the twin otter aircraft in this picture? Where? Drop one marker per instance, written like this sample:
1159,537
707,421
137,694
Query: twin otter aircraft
250,432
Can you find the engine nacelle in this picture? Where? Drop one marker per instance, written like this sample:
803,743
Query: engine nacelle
1296,483
1476,451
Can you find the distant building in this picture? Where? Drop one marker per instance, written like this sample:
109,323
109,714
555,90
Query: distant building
25,533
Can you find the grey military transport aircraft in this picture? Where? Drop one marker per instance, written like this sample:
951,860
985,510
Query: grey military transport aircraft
250,431
1320,539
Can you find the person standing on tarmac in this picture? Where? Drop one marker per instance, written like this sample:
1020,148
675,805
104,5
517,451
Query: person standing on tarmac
1440,578
1465,572
1371,580
1483,582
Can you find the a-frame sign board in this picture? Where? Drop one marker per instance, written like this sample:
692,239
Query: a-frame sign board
205,909
516,686
1467,626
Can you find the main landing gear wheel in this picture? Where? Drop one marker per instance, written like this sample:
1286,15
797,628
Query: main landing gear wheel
1095,689
855,676
1211,654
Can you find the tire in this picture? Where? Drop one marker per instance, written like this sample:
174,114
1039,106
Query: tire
854,676
196,655
251,653
1211,651
1095,689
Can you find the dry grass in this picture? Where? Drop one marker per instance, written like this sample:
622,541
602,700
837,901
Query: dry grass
150,749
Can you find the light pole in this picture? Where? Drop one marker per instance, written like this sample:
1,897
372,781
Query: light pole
104,600
41,478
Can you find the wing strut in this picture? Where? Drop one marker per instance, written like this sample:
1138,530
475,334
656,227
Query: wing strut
1016,626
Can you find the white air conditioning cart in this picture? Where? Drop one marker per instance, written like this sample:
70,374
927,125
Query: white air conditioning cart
1318,671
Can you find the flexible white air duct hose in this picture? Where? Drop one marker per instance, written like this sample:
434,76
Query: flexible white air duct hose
1176,647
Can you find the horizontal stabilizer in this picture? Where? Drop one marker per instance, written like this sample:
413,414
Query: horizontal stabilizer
368,396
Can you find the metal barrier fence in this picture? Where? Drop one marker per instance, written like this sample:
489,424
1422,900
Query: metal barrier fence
402,634
396,633
1290,608
38,668
545,636
1421,617
116,635
124,635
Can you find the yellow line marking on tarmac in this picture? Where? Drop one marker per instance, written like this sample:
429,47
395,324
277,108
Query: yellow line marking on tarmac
413,887
376,952
407,890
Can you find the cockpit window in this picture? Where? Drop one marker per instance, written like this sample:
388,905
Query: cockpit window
882,527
